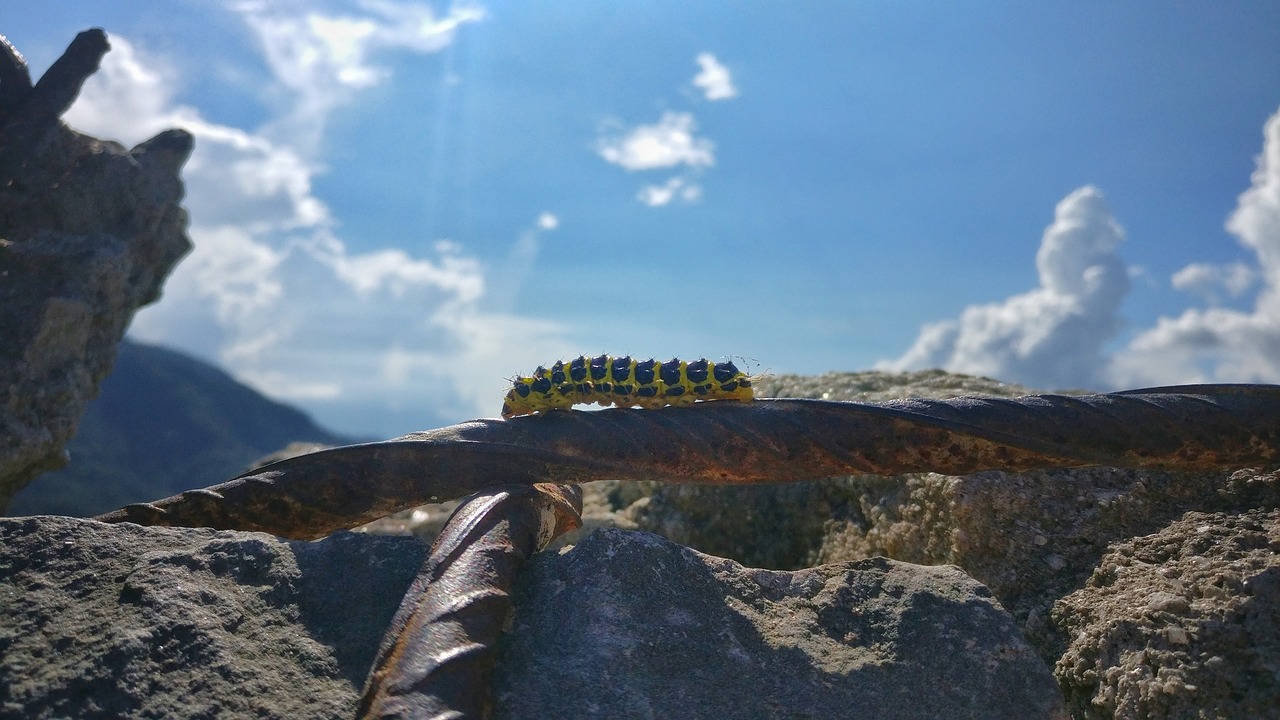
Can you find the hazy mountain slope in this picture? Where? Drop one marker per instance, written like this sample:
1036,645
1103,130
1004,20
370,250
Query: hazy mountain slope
164,422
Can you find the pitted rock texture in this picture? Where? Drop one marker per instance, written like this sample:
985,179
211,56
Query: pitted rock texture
1183,623
120,621
88,233
629,625
1031,538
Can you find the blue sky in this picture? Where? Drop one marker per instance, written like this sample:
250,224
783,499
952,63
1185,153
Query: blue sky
398,205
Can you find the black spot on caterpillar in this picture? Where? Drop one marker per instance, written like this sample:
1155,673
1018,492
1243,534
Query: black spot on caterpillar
625,382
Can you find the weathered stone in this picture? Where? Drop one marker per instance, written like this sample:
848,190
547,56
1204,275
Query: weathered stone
122,621
792,525
1183,623
1035,537
1031,538
628,625
88,232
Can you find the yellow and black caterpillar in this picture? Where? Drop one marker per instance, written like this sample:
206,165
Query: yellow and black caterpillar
625,382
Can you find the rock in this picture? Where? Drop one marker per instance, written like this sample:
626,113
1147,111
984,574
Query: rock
123,621
793,525
1181,623
88,232
1031,538
656,630
1035,537
165,422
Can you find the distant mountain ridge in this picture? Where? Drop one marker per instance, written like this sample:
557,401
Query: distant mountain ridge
164,422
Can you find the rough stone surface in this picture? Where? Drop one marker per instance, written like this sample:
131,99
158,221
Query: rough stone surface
1035,537
119,621
789,526
122,621
1183,623
772,526
656,630
1031,538
88,233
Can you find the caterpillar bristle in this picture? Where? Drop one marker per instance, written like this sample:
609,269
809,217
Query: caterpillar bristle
625,382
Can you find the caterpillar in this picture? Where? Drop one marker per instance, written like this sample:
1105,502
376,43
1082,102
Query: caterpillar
625,382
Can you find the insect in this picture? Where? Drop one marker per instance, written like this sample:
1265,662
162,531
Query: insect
625,382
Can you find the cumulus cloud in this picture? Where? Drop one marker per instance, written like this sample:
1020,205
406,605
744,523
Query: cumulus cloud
1208,281
320,60
671,142
675,188
668,143
1053,335
1217,344
376,342
714,80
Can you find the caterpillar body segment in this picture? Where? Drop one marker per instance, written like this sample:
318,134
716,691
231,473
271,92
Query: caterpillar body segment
625,382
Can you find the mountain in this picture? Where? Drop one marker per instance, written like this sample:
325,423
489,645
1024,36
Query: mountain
164,422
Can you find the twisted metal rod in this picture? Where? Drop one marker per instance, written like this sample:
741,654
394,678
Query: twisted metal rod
438,654
1191,428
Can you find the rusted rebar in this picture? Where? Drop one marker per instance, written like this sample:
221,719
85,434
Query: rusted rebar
438,654
1190,428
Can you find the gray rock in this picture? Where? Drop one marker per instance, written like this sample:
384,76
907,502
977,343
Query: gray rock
88,232
122,621
793,525
1183,623
628,625
1031,538
114,621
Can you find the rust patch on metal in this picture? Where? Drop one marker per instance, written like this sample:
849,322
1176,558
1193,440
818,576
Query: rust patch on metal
437,656
1188,428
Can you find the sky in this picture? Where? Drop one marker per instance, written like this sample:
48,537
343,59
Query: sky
397,206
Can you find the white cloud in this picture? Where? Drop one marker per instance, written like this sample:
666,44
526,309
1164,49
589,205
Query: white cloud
321,60
671,142
714,80
1052,336
233,176
129,99
675,188
376,342
1207,280
1217,344
668,143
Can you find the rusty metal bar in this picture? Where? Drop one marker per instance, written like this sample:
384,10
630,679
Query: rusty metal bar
1191,428
438,654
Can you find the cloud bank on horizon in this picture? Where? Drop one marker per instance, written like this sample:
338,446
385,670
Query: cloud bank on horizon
1056,336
